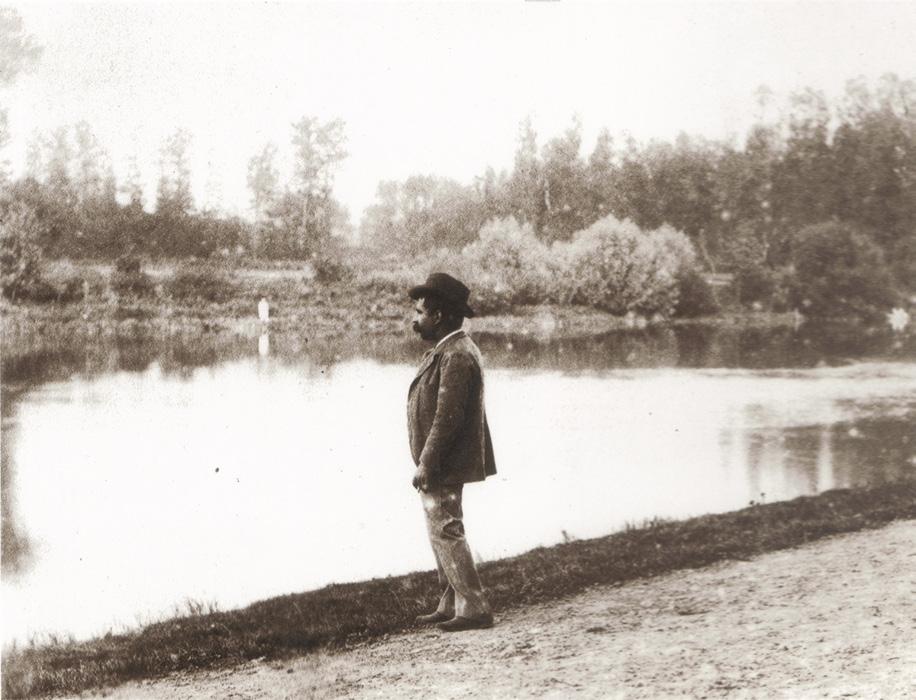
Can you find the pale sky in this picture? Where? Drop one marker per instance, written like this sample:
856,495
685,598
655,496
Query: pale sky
427,88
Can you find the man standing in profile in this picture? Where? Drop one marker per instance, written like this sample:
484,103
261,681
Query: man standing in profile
450,444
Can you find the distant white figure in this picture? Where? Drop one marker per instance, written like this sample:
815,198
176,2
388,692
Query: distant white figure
899,319
264,311
797,319
264,344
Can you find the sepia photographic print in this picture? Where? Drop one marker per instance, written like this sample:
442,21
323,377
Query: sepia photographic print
458,350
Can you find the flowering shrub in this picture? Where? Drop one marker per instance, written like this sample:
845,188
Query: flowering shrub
507,265
614,266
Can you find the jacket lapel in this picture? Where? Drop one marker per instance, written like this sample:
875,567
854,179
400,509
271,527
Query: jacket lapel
430,356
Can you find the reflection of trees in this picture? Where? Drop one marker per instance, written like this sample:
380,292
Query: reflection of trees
759,348
786,462
182,348
696,346
656,347
872,451
16,547
807,455
826,478
39,366
755,441
767,348
837,341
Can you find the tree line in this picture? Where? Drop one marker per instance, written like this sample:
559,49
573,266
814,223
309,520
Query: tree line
70,188
740,204
853,162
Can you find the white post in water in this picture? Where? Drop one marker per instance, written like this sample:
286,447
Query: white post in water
264,315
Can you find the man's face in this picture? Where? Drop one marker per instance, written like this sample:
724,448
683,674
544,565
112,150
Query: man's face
425,323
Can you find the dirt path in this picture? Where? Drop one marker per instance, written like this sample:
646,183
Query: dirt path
836,618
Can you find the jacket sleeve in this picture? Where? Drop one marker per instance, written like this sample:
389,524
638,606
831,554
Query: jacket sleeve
456,374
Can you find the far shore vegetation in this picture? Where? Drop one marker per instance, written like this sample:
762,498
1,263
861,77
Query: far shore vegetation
812,214
346,614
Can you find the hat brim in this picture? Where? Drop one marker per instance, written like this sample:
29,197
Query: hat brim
422,291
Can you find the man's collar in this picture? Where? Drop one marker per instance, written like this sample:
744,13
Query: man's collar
453,333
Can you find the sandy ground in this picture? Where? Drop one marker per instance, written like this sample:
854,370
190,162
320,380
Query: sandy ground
834,619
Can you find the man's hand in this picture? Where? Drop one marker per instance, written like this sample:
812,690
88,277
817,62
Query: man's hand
421,479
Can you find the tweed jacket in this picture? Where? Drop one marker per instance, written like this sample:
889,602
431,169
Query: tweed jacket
446,421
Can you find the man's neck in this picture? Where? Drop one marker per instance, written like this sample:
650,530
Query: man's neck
447,336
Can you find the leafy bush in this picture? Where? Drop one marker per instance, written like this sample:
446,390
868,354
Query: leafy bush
614,266
21,256
330,269
71,283
26,275
200,282
35,289
507,266
129,280
695,296
840,273
71,289
127,264
132,285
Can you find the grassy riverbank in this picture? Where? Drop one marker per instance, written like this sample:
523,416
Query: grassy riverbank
327,319
345,613
172,300
42,327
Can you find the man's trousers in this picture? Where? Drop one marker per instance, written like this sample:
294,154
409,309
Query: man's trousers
463,594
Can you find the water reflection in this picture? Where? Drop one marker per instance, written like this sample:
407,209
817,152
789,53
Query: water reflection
688,346
787,461
826,478
138,474
16,546
697,346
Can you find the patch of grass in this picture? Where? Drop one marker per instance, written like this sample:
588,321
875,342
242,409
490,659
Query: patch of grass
197,282
344,613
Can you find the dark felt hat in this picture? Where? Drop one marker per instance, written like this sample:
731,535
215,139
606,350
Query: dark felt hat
445,287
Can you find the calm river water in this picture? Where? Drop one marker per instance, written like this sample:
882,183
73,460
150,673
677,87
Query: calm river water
141,476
